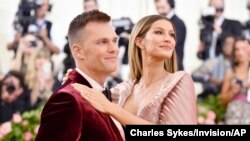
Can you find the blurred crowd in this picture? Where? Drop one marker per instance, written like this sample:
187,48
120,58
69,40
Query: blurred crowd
224,51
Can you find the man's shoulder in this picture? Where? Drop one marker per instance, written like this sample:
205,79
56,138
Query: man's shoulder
65,93
232,22
177,20
48,22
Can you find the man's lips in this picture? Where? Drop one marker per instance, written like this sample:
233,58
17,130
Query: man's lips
111,58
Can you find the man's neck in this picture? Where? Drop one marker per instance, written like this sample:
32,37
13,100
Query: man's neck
98,78
94,84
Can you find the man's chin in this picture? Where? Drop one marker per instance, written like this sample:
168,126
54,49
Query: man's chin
112,70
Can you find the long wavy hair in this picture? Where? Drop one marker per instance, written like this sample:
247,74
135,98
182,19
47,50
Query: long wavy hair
135,55
31,72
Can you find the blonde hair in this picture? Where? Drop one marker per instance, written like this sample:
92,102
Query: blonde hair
135,56
31,72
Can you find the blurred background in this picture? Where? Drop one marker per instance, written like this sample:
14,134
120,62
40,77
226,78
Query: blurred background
33,45
63,11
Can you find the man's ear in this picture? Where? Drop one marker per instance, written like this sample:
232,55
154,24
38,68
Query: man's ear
138,42
78,52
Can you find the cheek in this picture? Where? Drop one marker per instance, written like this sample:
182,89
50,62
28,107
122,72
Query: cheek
93,57
245,54
248,51
241,55
38,62
151,41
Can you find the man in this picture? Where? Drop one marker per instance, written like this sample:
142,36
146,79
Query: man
246,25
89,5
67,116
68,62
13,95
41,27
213,34
166,8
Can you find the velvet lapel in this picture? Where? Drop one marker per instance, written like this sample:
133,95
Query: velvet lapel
75,77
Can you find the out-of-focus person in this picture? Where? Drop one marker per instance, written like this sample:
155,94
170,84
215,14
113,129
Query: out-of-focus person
211,72
13,95
235,91
89,5
215,27
36,24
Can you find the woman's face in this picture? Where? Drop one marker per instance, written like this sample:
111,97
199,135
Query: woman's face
241,53
228,46
40,61
159,41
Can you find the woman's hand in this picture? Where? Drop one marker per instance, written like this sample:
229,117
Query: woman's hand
102,104
66,77
95,98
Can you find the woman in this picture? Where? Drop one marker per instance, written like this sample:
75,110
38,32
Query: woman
156,93
236,85
39,76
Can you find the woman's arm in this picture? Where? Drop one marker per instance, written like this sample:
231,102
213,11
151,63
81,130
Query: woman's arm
228,89
101,103
123,116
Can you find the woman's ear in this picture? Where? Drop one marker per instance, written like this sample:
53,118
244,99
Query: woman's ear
138,42
78,52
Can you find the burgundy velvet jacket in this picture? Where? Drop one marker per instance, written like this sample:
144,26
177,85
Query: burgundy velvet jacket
68,117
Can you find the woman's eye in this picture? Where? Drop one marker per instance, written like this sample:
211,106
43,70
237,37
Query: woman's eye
158,32
172,35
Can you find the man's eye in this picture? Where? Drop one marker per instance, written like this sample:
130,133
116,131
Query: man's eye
115,41
102,42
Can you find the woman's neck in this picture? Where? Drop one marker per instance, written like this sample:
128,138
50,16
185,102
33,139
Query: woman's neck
243,66
152,72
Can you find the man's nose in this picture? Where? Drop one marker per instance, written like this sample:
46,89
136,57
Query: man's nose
113,47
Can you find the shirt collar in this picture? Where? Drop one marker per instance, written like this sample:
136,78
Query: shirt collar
170,14
92,82
220,20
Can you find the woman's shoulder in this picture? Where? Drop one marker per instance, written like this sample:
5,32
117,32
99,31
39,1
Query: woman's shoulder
175,79
121,91
122,87
177,76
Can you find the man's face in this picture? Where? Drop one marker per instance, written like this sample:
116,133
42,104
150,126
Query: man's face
100,48
162,7
89,6
43,8
11,89
219,6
